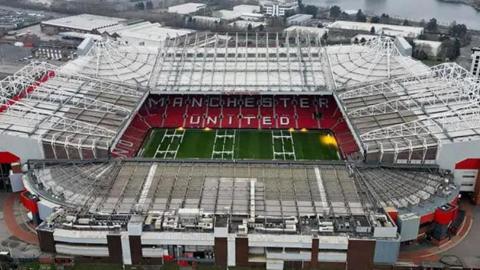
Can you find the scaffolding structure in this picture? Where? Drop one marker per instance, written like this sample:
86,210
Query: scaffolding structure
264,190
61,110
415,113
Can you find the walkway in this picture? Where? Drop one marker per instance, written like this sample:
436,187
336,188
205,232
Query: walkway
14,220
434,253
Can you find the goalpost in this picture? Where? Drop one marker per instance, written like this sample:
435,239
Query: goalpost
173,146
222,138
285,139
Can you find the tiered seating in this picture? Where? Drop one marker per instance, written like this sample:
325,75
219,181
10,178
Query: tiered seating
132,138
196,111
285,109
154,111
249,115
252,112
307,115
268,112
230,116
175,112
344,137
213,112
329,116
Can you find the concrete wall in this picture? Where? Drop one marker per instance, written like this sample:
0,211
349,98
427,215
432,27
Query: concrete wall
22,147
451,153
386,251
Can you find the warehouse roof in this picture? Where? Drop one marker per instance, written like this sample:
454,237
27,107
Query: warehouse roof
84,22
187,8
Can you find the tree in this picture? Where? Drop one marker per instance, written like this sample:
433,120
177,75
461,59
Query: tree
335,11
385,18
149,5
312,10
250,27
406,23
421,55
372,30
458,30
432,25
140,5
301,6
456,48
360,17
375,19
422,23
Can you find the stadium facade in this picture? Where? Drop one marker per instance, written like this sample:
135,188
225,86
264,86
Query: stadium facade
407,134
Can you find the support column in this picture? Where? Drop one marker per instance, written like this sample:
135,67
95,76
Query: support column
220,232
135,230
136,249
360,254
114,248
314,256
46,240
221,252
241,251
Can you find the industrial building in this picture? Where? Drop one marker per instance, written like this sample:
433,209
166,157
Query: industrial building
380,29
299,19
84,23
236,12
187,8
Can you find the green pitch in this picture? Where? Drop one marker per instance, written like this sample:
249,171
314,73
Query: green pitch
240,144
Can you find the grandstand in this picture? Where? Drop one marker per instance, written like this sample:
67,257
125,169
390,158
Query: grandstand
406,119
209,147
63,115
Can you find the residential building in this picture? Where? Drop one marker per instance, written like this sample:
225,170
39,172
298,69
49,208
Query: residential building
475,62
279,7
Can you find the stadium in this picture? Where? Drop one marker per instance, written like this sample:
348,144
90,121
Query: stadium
250,150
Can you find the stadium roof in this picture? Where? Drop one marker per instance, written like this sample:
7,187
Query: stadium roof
41,102
246,63
278,190
84,22
186,8
415,113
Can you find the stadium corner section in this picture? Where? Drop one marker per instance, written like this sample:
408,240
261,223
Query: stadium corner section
235,112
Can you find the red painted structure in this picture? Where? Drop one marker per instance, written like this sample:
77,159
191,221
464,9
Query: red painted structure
445,214
236,112
8,158
29,201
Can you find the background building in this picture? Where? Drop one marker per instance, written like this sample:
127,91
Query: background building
475,69
85,23
279,7
299,19
378,28
187,8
